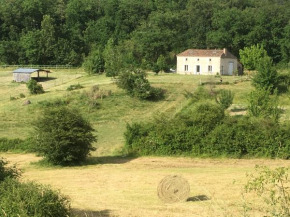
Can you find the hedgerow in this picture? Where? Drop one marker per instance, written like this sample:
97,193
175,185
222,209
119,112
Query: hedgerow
203,129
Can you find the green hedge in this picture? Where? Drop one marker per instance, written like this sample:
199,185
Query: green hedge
206,131
17,145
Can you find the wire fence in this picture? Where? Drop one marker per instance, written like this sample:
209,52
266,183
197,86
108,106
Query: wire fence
39,66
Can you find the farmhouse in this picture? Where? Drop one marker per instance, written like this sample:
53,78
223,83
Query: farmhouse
24,75
206,62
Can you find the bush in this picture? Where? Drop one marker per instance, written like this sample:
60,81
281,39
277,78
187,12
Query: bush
53,103
34,88
261,104
74,87
174,136
267,76
94,63
30,199
225,98
7,172
271,187
16,145
137,85
21,95
63,136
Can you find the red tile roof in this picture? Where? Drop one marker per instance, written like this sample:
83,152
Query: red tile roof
207,53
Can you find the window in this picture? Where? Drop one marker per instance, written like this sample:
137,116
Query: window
210,68
185,59
197,59
210,60
185,68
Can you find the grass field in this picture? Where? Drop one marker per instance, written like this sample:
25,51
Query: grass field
117,186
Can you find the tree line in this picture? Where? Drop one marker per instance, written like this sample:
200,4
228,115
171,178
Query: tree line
106,35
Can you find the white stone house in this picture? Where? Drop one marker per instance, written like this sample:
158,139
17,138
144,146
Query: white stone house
206,62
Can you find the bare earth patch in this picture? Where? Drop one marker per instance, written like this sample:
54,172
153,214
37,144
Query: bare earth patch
116,186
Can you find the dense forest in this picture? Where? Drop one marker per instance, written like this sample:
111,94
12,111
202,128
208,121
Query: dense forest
119,33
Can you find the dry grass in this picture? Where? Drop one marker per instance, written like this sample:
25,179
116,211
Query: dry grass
115,186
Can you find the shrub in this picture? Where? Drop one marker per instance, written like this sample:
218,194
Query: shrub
30,199
225,98
63,136
12,98
179,135
136,85
53,103
21,95
271,185
15,145
261,104
74,87
267,76
94,63
34,88
7,172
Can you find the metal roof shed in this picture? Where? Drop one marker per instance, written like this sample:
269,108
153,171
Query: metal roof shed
24,75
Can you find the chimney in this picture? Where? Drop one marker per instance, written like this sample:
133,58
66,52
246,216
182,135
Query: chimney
225,51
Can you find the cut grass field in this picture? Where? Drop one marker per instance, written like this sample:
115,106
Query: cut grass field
117,186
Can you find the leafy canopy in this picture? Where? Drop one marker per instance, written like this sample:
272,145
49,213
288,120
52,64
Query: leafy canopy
63,136
251,56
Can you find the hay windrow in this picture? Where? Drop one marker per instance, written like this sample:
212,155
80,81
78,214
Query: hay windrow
173,189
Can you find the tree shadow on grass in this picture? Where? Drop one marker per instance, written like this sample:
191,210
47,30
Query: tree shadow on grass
108,160
88,213
198,198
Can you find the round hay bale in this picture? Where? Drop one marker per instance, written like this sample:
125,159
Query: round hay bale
173,188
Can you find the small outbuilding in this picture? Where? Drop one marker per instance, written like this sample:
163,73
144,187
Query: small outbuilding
207,62
24,75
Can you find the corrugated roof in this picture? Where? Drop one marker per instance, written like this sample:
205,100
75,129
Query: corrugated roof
207,53
25,71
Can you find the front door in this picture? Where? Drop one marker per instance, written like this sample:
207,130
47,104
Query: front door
198,69
231,68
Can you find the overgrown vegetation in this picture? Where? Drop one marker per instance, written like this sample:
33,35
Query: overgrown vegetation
28,199
202,129
63,136
136,85
8,172
74,87
34,87
225,98
271,185
16,145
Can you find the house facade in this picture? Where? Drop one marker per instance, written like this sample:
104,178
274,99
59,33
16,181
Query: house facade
206,62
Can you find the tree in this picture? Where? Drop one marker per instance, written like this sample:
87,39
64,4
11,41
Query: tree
266,77
225,98
251,56
261,104
94,63
63,136
34,88
113,63
137,85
